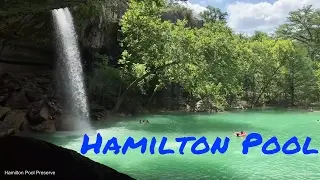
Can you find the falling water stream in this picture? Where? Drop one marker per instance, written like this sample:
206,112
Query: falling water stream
72,73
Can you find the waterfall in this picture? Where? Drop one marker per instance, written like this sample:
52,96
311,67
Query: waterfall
70,69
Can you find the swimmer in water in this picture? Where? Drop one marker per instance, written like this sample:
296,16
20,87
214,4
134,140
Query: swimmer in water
147,121
238,134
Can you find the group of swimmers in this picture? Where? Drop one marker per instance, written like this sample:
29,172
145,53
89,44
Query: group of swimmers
144,121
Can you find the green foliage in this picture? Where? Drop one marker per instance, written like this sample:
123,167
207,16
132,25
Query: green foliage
212,61
152,43
303,26
317,73
213,14
103,85
259,36
177,10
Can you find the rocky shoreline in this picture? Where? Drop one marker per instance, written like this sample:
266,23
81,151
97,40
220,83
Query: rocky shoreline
33,102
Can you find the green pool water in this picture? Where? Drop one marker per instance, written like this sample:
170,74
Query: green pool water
231,165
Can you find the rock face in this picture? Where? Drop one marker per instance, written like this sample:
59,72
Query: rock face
26,43
12,123
27,6
32,154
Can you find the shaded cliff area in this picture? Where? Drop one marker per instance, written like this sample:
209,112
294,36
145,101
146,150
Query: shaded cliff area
29,100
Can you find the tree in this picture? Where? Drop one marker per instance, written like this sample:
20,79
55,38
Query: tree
153,46
212,62
303,26
259,36
300,80
265,58
203,61
213,14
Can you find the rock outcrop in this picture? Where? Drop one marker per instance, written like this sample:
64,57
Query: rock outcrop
31,154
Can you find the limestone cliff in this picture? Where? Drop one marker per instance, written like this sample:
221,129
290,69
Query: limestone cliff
12,7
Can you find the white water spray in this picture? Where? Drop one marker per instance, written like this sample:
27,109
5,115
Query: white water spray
70,61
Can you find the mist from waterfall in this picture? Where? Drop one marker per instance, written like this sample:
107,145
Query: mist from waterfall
70,69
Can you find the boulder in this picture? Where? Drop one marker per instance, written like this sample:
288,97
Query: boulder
54,108
31,154
46,126
3,112
38,112
13,123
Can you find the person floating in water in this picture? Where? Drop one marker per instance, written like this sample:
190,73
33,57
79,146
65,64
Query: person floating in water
240,134
147,121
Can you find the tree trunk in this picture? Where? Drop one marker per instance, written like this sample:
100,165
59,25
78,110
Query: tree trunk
292,88
154,92
135,82
267,84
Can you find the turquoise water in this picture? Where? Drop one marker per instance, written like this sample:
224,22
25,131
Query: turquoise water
231,165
